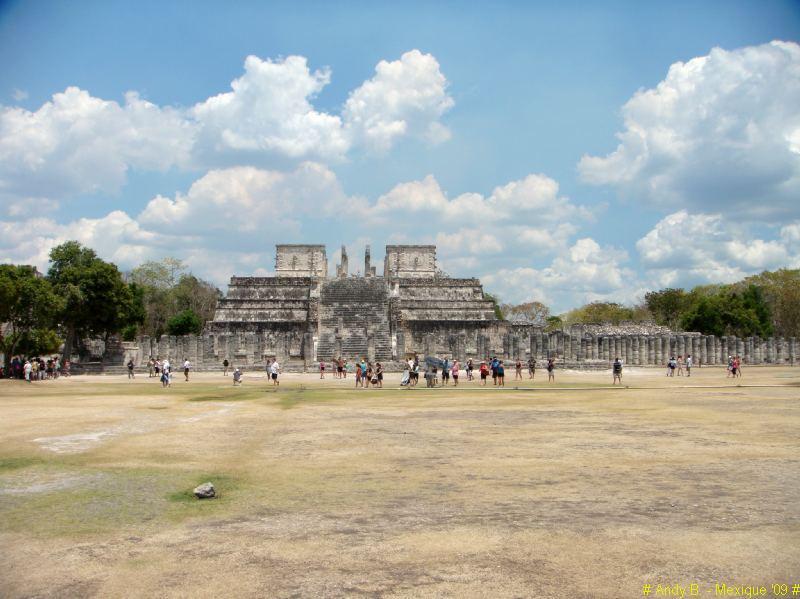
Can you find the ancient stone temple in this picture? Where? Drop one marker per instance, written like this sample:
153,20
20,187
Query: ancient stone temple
302,316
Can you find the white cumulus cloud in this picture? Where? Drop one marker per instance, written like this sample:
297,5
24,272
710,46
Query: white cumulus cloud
685,249
406,96
77,143
720,133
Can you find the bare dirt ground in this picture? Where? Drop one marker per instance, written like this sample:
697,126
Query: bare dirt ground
569,490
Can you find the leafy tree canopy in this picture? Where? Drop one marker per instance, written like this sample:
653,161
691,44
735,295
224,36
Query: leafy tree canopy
186,322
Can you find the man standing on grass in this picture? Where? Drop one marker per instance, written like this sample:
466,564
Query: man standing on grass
616,369
275,369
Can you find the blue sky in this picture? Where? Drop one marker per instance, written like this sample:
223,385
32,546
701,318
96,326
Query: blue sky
491,131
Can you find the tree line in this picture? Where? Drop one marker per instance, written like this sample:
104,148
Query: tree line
760,305
83,296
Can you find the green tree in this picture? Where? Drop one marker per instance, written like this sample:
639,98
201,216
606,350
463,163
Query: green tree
97,300
29,305
168,290
667,306
186,322
781,290
554,323
197,295
729,310
498,310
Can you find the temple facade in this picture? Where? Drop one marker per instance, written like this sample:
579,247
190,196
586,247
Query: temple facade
302,315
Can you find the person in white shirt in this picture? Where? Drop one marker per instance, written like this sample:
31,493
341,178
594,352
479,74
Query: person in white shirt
186,366
27,370
275,369
688,365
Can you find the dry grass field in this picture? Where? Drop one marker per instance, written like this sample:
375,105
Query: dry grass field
573,489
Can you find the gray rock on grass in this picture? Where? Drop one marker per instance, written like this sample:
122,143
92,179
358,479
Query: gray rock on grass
205,491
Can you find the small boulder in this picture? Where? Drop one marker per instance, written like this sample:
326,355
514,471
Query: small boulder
205,491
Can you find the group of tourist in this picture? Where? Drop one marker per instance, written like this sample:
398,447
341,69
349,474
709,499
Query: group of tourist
35,369
678,365
437,372
272,368
734,367
161,369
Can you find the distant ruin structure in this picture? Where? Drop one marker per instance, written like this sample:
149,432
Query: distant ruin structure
302,316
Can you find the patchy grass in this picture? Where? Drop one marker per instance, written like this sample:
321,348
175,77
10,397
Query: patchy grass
327,490
16,463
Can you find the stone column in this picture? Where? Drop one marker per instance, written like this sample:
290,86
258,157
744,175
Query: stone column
792,350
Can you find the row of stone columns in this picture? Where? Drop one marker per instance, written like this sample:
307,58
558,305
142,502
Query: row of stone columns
654,349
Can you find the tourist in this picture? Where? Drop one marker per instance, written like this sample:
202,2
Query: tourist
275,370
671,366
531,367
518,370
405,379
374,378
617,371
551,370
680,365
321,369
359,372
484,370
454,372
446,373
379,374
237,377
151,367
689,365
501,374
363,372
225,365
130,369
339,367
430,373
415,372
469,369
34,370
157,367
186,367
66,369
435,376
736,368
165,382
366,378
27,369
730,367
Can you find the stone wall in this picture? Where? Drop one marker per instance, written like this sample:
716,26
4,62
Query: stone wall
294,260
409,261
297,350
